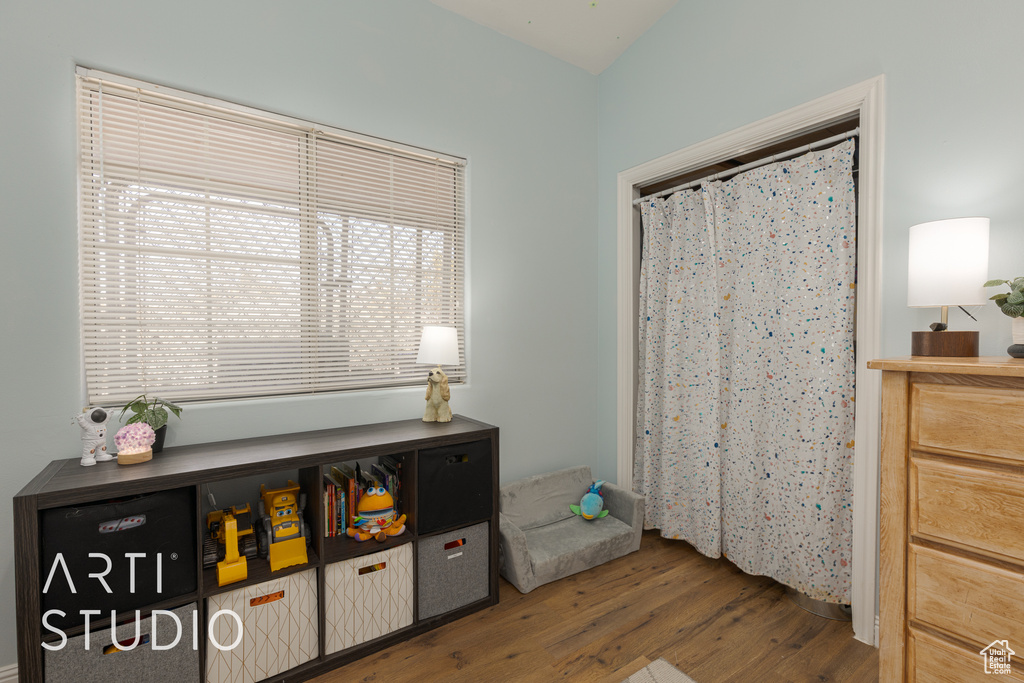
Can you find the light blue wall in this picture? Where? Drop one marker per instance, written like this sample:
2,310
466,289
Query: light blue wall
402,69
954,143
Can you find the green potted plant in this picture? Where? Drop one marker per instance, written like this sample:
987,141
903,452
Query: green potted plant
152,411
1012,304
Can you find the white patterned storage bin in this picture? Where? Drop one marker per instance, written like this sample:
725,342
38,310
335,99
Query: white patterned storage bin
280,629
368,597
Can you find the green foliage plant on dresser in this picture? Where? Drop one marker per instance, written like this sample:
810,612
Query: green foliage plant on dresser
152,411
1010,303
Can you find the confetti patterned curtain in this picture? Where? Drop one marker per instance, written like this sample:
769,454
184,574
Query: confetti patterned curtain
745,411
677,461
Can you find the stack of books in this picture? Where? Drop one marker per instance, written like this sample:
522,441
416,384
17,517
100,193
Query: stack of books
389,473
344,486
340,494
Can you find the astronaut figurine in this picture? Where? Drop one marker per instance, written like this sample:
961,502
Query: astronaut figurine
93,422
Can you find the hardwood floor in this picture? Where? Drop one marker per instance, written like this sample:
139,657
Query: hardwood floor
704,616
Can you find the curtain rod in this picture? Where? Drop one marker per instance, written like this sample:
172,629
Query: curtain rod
753,164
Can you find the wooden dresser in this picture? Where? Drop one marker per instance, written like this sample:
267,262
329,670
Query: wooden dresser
952,517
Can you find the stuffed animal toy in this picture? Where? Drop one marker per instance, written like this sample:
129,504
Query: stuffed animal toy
437,397
592,504
376,516
93,422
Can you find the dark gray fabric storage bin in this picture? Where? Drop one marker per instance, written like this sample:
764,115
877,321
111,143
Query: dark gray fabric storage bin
455,486
143,664
161,523
453,569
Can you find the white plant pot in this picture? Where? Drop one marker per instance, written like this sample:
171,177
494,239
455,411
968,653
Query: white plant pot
1017,329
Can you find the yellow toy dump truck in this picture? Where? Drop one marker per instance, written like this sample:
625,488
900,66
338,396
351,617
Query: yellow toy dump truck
229,542
282,533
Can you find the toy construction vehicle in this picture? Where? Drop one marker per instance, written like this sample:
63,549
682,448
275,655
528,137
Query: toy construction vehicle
282,534
229,542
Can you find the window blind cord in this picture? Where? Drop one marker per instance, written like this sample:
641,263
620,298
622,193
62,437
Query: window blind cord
391,243
753,164
436,209
314,203
138,239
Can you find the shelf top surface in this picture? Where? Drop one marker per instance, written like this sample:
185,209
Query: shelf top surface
67,482
983,365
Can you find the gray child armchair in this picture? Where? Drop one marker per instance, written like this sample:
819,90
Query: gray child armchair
541,540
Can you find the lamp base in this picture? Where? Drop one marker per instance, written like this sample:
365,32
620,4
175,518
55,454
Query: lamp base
949,343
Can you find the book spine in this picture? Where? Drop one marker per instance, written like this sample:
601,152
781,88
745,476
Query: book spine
339,513
353,496
330,527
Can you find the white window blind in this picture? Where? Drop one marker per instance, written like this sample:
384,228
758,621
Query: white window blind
227,252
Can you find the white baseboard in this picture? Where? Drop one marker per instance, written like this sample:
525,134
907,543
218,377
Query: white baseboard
876,631
9,673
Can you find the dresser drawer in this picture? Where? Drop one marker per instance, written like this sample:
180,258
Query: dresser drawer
985,421
933,660
971,507
973,600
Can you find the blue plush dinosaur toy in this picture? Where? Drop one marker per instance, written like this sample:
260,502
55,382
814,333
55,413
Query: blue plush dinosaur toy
592,504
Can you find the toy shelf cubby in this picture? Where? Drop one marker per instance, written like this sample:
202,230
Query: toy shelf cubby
340,547
449,484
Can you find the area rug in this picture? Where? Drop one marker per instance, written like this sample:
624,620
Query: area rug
659,671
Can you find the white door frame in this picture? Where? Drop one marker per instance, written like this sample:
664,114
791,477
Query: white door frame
867,100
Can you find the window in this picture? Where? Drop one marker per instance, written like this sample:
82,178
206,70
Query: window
228,252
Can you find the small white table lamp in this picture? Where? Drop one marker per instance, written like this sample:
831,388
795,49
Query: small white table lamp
438,346
947,267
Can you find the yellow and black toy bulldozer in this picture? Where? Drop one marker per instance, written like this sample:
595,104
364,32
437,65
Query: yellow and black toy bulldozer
283,533
231,539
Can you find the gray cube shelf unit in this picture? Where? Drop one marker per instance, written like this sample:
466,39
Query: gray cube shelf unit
449,492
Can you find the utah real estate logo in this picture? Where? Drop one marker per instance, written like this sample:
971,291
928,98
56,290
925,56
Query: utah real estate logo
997,657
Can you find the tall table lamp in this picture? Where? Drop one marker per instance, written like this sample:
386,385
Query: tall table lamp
438,346
947,267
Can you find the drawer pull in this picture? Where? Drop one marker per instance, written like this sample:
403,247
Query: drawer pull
372,568
455,459
126,645
454,544
266,599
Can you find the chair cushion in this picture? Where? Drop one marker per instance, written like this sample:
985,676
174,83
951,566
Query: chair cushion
544,498
572,545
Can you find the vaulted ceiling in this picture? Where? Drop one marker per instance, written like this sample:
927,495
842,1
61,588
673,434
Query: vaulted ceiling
588,33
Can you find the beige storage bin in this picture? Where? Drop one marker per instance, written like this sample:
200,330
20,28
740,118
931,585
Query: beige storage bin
368,597
280,629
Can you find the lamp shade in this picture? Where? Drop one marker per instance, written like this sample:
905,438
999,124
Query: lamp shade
948,263
439,346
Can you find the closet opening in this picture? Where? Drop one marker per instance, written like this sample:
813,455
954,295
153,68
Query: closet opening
746,415
858,106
